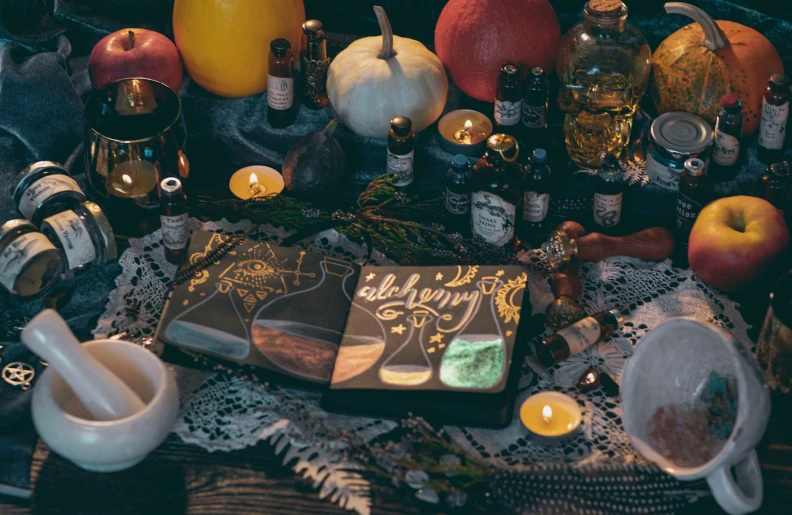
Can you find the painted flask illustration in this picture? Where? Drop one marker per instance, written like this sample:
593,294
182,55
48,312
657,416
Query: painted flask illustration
300,331
476,357
409,365
362,346
227,336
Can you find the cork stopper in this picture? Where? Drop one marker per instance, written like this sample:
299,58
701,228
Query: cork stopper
605,7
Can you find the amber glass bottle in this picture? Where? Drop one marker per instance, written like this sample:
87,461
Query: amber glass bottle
280,84
173,216
508,100
775,113
314,64
691,198
401,151
496,202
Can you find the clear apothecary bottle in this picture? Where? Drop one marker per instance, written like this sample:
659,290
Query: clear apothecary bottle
603,64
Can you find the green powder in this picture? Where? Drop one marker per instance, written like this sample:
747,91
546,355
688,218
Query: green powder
473,361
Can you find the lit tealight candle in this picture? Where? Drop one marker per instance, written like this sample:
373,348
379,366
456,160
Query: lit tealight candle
551,417
256,181
464,132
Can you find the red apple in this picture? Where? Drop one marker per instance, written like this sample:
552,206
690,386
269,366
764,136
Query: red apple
135,53
735,240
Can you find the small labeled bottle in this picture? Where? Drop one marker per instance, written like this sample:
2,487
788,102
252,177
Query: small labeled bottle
776,184
44,189
459,183
401,151
536,191
578,337
29,262
83,236
535,105
609,192
314,64
772,126
173,218
280,84
728,135
508,100
691,199
496,201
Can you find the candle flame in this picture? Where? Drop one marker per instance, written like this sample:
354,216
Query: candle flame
547,413
127,179
253,179
468,125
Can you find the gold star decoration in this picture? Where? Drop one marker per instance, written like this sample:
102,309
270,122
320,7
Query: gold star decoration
186,302
370,277
399,329
439,277
441,346
509,333
430,350
203,294
500,273
437,338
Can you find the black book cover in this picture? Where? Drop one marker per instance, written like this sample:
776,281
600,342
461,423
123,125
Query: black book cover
275,308
441,342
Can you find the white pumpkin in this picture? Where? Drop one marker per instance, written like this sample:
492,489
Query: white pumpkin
378,78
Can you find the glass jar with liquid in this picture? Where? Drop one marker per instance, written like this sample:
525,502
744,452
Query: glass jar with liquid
29,262
603,64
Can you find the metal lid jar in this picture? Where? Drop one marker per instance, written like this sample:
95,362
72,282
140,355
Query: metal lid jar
44,189
675,138
29,262
83,235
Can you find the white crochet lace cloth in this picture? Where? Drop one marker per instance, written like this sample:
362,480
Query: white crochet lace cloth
221,412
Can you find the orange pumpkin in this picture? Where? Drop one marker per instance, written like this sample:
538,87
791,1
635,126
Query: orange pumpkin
698,64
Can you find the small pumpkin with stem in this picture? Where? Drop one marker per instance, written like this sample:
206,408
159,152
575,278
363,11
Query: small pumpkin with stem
698,64
377,78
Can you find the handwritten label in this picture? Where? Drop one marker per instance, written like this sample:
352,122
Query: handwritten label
18,254
492,218
772,127
401,167
535,206
581,335
726,149
43,189
174,231
533,117
507,113
280,92
607,209
457,203
74,238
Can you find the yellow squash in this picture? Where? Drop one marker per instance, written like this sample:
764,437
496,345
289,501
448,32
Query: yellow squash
225,43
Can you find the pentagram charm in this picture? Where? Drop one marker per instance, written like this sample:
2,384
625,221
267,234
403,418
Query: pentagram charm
18,374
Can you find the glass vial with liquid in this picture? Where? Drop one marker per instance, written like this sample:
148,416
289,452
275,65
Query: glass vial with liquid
604,64
536,203
609,193
173,217
401,151
459,183
314,64
29,262
691,198
773,124
496,201
508,100
535,106
578,337
728,135
280,84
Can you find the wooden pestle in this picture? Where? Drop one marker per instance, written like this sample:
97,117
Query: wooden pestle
103,394
653,244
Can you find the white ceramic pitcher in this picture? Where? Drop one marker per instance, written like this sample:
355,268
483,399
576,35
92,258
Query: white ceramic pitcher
671,366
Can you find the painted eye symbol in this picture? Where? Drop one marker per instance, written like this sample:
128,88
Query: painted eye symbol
253,266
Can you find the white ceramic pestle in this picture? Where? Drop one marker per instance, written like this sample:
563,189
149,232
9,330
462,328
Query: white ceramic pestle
104,395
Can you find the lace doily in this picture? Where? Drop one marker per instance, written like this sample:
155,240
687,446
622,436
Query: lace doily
222,412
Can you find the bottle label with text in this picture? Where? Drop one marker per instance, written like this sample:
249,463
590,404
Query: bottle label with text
401,167
533,117
74,237
581,335
18,254
687,211
280,92
535,206
607,209
492,218
726,150
43,189
174,231
772,127
457,203
507,113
